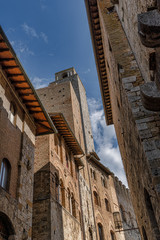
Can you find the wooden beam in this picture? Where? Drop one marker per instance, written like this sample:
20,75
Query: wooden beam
9,67
43,126
18,82
32,112
30,106
4,50
6,59
15,74
27,101
22,88
26,94
2,41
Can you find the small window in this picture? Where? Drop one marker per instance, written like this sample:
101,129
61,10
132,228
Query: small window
108,207
90,234
122,213
113,237
100,231
57,187
103,181
94,175
96,199
62,193
5,174
12,114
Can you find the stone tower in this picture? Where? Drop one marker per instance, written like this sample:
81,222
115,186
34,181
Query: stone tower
67,95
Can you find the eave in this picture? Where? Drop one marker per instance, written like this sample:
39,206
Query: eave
97,42
65,131
92,158
21,84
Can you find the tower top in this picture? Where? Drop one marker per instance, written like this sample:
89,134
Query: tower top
65,73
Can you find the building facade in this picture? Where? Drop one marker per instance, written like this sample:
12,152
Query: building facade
125,42
52,184
19,124
67,95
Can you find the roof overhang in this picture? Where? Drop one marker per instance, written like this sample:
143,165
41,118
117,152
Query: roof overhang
65,131
97,42
92,156
21,84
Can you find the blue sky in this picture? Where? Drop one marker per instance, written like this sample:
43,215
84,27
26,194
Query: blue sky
49,36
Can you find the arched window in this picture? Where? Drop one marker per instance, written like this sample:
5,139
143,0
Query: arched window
73,202
12,114
100,231
69,201
150,211
96,198
108,207
57,186
144,233
103,181
113,237
5,174
91,172
6,227
62,193
94,175
122,213
90,234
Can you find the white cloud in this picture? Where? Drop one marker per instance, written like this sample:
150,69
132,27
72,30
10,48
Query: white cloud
44,37
21,48
43,5
105,140
86,71
39,82
30,31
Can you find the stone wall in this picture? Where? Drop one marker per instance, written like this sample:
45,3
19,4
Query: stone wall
137,129
17,146
128,216
128,11
110,197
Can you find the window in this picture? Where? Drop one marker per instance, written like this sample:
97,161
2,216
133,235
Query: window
100,231
5,174
12,114
94,175
69,201
103,181
96,199
90,234
113,237
6,227
91,172
73,202
122,213
144,233
67,160
108,207
62,193
57,186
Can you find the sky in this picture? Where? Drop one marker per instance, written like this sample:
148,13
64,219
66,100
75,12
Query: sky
50,36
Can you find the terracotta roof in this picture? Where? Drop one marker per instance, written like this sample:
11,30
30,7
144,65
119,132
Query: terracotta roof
64,130
95,29
21,84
